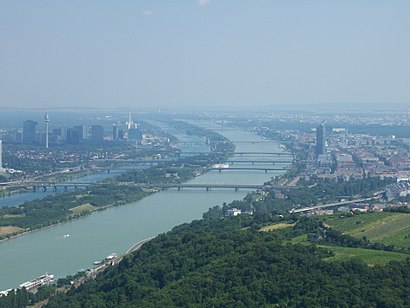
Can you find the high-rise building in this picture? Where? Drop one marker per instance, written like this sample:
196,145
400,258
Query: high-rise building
29,132
114,132
120,134
71,138
135,134
1,157
79,132
321,139
97,134
129,122
56,136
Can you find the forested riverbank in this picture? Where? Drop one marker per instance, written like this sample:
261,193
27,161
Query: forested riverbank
226,262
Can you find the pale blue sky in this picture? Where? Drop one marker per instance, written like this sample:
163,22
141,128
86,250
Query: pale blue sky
221,53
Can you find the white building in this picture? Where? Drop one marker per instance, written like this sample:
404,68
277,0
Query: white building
233,212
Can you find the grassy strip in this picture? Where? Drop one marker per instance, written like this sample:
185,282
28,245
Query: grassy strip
83,208
10,230
277,226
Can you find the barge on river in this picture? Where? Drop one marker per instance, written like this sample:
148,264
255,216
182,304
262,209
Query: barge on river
37,282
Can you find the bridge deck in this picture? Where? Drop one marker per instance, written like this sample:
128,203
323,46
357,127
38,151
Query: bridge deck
238,153
247,169
151,186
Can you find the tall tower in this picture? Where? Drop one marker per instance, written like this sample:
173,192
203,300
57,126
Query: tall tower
129,123
321,139
46,120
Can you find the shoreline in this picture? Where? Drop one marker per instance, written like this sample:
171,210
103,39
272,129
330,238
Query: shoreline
70,220
274,142
286,150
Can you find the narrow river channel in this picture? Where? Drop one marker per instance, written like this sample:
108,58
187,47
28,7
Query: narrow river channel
115,230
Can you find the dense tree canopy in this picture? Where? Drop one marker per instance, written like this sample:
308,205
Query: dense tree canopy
218,262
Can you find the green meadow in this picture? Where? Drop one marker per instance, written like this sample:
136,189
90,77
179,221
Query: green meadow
386,228
368,256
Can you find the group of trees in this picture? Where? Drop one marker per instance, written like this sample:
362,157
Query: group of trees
22,298
328,189
217,142
220,262
163,174
53,209
306,194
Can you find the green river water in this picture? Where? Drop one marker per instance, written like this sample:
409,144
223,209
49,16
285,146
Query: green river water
115,230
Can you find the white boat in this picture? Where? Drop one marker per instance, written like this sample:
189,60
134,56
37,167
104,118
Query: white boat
111,256
37,282
66,235
221,166
97,262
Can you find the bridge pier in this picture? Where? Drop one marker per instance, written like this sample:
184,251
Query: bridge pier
179,188
44,188
236,189
266,170
55,188
220,170
208,188
65,188
34,189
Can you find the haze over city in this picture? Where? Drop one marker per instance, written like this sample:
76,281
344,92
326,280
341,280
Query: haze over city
206,53
204,153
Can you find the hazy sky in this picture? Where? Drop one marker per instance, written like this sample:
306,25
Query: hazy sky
191,53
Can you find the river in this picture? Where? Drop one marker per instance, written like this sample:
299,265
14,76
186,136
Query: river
116,229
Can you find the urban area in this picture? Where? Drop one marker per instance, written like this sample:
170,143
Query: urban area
332,169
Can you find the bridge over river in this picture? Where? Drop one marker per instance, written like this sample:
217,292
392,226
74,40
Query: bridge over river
239,153
117,228
45,185
159,161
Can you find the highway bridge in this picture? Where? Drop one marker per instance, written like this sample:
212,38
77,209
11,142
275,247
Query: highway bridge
251,142
237,153
45,185
246,169
158,161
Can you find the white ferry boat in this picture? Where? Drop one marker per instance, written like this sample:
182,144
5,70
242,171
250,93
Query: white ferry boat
37,282
221,166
